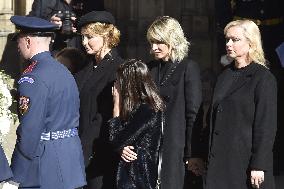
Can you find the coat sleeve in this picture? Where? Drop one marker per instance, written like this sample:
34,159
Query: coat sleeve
43,9
126,134
32,111
5,171
193,98
265,124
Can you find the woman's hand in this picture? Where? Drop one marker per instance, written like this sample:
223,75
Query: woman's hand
116,99
256,177
127,154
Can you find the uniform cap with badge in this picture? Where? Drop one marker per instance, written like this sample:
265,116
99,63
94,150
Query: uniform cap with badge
33,26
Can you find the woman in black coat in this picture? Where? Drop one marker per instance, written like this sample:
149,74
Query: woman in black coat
99,36
137,122
178,80
243,115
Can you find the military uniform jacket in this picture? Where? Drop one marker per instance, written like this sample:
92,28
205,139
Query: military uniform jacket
181,89
5,171
242,127
95,83
48,102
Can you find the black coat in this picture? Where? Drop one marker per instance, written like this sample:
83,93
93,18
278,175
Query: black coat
181,89
96,105
242,127
142,131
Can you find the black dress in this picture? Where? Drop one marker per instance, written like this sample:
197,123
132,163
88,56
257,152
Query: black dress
142,131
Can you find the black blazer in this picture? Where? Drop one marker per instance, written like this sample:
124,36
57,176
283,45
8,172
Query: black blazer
182,92
242,127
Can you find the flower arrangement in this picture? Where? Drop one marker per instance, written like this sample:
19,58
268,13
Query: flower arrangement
6,116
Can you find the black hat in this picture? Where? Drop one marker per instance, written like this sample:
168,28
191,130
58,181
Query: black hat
33,25
96,16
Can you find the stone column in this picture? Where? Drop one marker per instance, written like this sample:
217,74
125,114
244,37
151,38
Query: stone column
23,7
6,27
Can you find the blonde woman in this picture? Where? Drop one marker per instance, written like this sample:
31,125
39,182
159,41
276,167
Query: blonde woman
243,115
99,37
178,80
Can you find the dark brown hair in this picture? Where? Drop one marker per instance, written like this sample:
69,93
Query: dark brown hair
136,87
73,58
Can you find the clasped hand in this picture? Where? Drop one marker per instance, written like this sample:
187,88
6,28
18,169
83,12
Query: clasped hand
257,178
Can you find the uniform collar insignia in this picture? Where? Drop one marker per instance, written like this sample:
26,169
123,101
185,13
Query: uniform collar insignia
30,67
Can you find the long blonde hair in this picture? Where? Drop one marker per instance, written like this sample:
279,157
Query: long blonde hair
252,34
167,30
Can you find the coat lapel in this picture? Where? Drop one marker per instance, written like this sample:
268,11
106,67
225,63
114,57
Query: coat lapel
168,74
83,77
232,86
221,85
241,80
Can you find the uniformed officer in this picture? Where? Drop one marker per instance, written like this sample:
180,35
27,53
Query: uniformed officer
48,152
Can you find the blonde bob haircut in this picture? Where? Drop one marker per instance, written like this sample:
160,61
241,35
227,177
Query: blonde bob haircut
109,32
167,30
252,34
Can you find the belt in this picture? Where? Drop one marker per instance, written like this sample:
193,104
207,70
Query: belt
266,22
54,135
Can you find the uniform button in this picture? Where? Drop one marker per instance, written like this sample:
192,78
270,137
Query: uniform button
262,11
216,132
219,110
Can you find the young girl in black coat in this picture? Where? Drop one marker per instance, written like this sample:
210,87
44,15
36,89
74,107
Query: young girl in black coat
136,122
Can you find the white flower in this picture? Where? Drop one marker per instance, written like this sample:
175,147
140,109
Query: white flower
5,123
5,102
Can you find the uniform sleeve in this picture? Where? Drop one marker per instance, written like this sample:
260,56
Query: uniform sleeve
32,111
193,98
265,124
5,171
